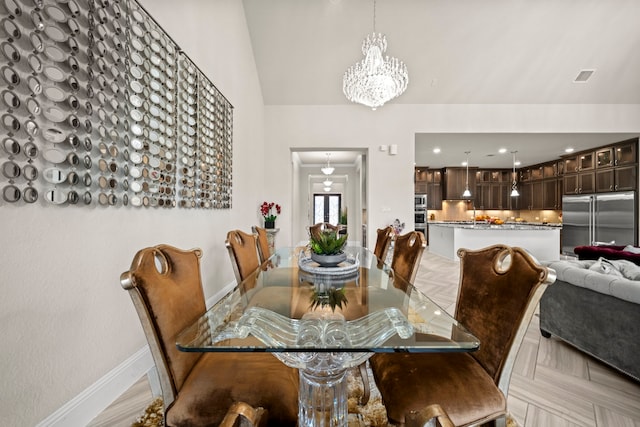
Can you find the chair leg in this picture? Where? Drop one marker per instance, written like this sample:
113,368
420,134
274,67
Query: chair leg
241,414
366,389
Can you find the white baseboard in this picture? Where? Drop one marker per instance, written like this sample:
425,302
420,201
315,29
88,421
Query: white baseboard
83,408
97,397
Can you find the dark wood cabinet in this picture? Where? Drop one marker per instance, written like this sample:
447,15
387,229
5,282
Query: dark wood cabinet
434,189
420,180
580,183
605,157
626,154
428,181
454,182
625,178
551,194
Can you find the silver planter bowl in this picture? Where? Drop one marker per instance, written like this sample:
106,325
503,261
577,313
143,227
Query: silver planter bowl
329,260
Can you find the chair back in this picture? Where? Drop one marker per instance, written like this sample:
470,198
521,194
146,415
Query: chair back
407,253
317,229
242,248
165,286
500,287
383,241
263,243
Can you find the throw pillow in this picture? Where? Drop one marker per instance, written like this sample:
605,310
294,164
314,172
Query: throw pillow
628,269
632,249
604,266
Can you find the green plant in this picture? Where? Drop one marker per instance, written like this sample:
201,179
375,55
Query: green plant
343,217
327,242
334,298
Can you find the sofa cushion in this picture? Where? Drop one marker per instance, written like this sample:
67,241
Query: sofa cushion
578,273
610,252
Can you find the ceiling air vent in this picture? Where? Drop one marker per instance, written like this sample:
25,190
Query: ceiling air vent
583,76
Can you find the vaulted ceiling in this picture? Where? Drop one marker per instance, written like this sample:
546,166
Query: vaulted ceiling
457,52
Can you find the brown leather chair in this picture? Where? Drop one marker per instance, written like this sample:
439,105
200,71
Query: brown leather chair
404,263
430,416
263,243
243,252
317,229
383,241
165,286
407,253
241,414
500,287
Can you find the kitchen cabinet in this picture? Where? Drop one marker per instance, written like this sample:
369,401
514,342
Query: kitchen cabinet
429,182
493,188
626,154
580,183
579,162
616,179
454,182
551,194
420,180
434,189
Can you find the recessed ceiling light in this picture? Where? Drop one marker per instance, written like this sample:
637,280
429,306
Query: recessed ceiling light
517,163
464,163
584,75
436,150
502,150
568,150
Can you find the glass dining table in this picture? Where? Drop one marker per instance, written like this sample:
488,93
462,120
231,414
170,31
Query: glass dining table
323,321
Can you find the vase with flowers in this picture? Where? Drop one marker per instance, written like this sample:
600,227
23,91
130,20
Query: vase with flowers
270,212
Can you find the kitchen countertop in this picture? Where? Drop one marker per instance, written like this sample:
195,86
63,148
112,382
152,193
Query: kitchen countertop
483,225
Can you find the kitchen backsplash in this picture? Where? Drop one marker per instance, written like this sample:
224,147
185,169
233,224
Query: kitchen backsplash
457,211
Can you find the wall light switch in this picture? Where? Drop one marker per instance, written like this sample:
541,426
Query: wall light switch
393,149
383,148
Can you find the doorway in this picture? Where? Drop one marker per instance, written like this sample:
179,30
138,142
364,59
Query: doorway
327,208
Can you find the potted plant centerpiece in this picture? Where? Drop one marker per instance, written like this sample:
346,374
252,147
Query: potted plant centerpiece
327,248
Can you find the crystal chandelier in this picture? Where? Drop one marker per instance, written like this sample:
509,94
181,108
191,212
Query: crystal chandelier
466,192
328,169
514,188
376,79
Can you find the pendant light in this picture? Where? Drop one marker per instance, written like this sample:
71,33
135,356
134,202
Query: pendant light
467,193
514,189
327,170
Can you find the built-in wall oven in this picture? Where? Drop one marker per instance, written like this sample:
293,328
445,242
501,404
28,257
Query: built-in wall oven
420,219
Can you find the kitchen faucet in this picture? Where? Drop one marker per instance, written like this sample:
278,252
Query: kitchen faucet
474,214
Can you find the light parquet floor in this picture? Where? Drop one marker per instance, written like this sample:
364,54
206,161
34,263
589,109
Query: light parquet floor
553,384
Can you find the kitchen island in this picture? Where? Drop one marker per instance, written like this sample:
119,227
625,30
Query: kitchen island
541,240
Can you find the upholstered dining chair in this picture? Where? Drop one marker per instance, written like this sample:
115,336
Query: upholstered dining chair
430,416
317,229
165,286
405,262
241,414
407,253
263,243
243,252
499,289
383,242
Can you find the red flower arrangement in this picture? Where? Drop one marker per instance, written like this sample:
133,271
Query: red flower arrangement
267,212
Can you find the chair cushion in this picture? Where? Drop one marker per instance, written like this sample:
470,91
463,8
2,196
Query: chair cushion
220,379
455,380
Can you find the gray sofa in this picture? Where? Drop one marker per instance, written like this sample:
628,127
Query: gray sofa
594,307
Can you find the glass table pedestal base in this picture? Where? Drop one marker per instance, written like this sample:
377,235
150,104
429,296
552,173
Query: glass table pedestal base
323,400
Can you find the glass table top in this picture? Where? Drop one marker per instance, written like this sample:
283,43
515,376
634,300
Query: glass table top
291,304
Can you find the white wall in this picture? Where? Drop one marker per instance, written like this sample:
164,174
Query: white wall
390,178
65,321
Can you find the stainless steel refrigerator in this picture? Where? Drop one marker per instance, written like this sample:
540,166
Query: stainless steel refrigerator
608,218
